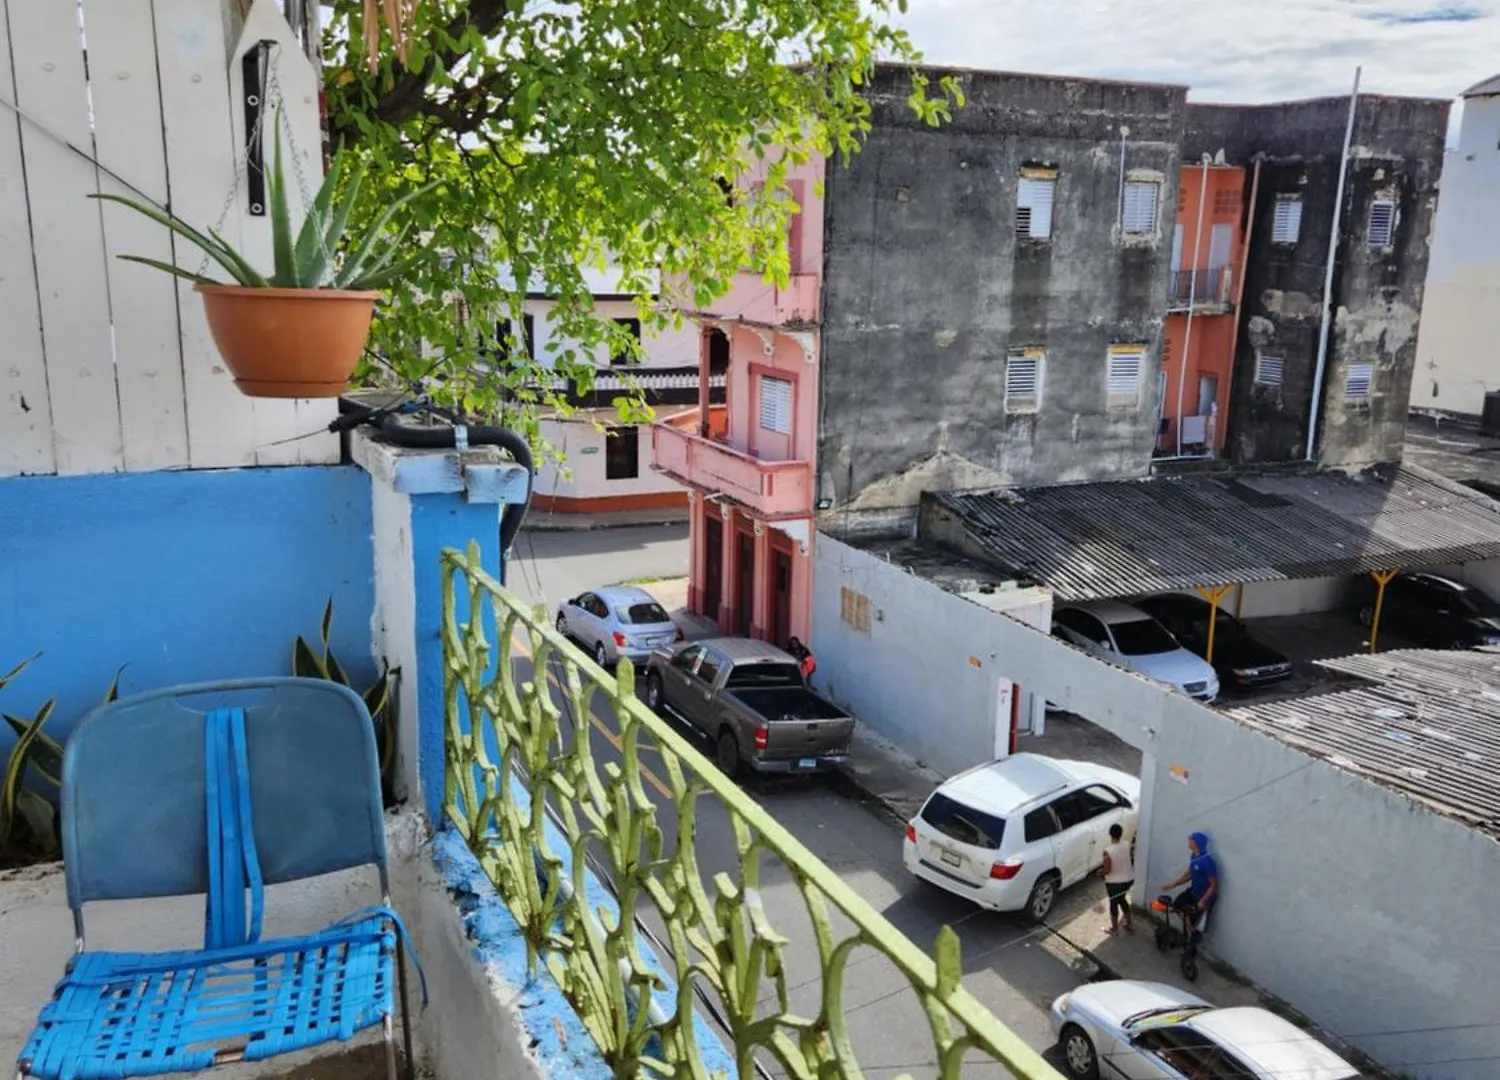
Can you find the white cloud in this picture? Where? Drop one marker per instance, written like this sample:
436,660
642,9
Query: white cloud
1224,50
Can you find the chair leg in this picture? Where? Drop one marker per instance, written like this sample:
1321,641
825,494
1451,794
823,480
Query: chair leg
411,1061
388,1030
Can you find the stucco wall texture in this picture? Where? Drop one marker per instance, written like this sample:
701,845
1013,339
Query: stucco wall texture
928,286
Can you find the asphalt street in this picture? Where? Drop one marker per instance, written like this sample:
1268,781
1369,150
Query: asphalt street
1008,964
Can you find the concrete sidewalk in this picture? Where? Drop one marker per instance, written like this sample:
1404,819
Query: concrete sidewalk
898,784
545,521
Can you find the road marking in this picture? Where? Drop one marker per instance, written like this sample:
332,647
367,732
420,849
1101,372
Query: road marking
520,646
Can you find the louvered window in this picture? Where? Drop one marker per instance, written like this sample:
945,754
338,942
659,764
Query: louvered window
1382,222
1357,385
1269,370
1286,227
1023,381
775,405
1140,207
1034,206
1124,374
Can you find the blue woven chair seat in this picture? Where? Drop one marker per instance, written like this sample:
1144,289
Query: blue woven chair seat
115,1015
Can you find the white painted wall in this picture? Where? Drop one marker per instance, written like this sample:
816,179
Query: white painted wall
393,624
1458,346
1264,599
109,365
911,679
1358,907
1484,575
581,445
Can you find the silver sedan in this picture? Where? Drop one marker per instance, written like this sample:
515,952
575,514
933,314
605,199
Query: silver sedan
617,621
1151,1031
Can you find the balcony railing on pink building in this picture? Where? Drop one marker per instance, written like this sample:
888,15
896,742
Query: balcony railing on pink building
772,489
1211,288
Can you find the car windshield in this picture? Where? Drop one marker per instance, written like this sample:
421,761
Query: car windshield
1474,602
643,614
1142,637
963,823
763,676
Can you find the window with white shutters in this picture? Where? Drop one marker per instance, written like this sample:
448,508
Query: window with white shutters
1357,385
1034,197
775,405
1287,225
1382,222
1126,363
1269,370
1139,217
1023,381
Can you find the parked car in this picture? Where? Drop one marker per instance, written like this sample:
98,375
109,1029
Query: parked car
1151,1031
619,621
1011,834
1239,659
1127,636
749,697
1429,609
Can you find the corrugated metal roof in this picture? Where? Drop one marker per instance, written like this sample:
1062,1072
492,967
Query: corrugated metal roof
1483,89
1425,724
1128,538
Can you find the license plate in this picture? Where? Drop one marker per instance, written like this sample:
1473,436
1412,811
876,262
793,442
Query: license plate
662,640
952,858
808,763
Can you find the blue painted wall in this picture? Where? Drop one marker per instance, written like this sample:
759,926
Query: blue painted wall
184,576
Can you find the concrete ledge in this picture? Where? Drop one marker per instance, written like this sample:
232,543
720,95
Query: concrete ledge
484,474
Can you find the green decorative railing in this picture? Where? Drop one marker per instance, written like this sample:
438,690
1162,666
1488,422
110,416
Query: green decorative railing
512,753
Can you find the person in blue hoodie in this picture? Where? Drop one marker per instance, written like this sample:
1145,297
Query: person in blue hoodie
1202,881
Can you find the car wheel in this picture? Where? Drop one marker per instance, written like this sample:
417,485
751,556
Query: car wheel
1078,1053
727,754
1043,894
562,624
653,692
600,656
1367,616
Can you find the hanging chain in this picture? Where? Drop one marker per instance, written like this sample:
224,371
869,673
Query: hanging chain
242,164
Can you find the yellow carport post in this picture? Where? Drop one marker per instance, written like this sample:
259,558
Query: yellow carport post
1382,579
1213,594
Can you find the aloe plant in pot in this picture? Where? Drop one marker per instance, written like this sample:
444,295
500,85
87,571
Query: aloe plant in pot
297,332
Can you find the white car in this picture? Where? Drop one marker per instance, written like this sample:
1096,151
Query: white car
1129,637
1150,1031
618,621
1009,835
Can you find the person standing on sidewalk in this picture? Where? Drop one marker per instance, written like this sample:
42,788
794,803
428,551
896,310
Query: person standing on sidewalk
1119,876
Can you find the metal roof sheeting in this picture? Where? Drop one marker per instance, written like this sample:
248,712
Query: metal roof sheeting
1425,724
1129,538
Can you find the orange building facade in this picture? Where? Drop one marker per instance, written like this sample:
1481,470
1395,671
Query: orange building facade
1203,294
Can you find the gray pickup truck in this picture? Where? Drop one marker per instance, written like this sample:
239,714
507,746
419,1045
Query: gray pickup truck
750,699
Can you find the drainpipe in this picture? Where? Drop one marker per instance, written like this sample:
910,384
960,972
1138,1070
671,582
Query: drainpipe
1187,335
1333,248
1120,212
1239,286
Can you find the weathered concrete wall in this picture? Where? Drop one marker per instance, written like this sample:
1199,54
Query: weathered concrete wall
1396,153
927,287
1312,862
1458,358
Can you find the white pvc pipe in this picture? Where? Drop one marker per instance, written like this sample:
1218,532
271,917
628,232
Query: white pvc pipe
1187,335
1333,248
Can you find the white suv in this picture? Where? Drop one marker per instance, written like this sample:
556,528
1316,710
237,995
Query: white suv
1010,834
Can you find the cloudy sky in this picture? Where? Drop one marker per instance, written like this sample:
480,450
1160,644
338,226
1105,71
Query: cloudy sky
1226,50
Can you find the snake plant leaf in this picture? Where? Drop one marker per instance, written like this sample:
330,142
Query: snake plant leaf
46,752
175,271
13,672
307,664
113,693
15,772
220,254
334,669
325,628
40,817
281,218
378,696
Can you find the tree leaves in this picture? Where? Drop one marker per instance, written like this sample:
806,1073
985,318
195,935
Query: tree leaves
568,138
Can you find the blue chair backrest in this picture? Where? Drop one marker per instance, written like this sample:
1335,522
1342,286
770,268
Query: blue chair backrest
133,812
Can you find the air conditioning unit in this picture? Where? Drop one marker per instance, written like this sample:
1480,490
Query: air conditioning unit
1489,421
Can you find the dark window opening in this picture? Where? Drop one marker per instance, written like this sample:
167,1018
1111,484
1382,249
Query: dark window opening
718,352
633,328
622,453
501,346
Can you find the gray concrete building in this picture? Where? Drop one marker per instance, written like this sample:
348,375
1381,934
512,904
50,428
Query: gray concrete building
994,289
1389,197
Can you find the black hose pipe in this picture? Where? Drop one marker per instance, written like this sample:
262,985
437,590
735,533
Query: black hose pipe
442,438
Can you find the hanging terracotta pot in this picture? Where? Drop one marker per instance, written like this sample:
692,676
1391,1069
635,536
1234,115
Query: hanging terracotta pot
289,343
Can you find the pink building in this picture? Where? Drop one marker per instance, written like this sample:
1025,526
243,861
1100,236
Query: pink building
748,464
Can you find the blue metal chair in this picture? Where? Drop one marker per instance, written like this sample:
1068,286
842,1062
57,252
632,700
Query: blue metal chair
276,781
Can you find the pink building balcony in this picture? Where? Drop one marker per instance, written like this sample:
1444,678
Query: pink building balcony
771,489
